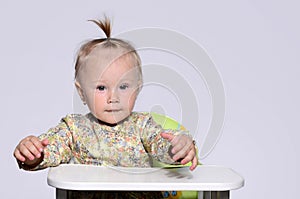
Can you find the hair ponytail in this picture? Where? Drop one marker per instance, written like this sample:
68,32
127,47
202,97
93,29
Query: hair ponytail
105,26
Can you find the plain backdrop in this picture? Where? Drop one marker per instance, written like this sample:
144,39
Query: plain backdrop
254,44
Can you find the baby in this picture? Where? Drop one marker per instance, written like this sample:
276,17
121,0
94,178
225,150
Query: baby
108,78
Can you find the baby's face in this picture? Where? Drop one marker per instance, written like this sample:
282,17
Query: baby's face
110,90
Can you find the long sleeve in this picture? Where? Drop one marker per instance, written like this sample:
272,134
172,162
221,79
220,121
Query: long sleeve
59,148
156,146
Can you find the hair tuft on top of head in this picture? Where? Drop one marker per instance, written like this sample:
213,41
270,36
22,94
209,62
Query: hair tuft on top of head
124,47
105,25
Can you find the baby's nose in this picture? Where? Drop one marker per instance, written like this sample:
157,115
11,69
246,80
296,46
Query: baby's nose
113,97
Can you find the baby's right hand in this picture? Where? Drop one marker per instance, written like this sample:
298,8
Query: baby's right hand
29,150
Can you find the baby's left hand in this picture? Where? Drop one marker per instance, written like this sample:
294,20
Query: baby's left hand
182,148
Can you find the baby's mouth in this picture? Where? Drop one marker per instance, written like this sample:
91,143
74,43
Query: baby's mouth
113,110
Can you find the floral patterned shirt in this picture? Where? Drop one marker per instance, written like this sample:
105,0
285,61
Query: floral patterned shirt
81,139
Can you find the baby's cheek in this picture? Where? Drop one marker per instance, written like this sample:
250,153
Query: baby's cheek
133,97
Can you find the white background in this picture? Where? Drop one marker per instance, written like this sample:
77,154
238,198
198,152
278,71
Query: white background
254,45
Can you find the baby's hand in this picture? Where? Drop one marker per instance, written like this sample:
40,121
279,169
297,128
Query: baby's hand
183,149
29,150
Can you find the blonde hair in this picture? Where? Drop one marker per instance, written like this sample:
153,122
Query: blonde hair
108,42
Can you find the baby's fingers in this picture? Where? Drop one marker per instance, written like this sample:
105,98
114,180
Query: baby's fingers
45,142
167,136
25,151
188,156
35,146
19,156
31,147
194,163
181,147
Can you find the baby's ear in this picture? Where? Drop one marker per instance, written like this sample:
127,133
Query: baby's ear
80,92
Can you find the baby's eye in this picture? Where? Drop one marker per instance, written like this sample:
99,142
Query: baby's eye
124,86
101,88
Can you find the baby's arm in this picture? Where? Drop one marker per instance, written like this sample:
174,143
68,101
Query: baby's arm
30,151
168,146
183,149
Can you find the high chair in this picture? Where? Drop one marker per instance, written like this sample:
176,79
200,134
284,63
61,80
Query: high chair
176,182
